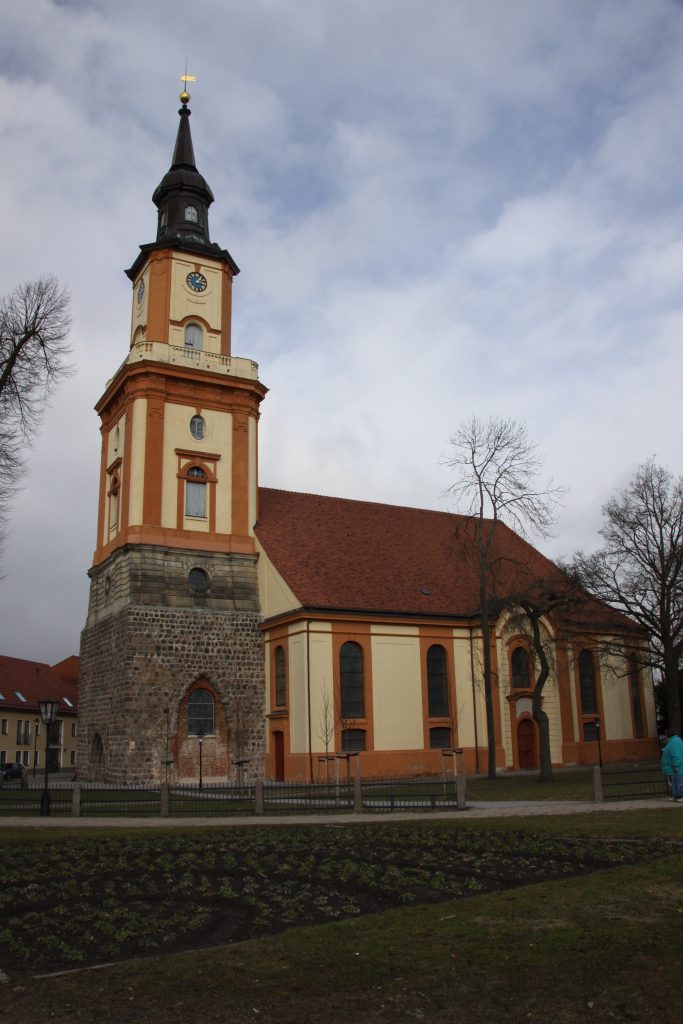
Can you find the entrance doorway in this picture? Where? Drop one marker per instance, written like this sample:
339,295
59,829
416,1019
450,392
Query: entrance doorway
279,748
526,744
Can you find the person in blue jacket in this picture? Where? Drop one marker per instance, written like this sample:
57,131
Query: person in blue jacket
672,764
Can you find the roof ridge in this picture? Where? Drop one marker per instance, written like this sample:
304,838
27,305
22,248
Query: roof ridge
365,501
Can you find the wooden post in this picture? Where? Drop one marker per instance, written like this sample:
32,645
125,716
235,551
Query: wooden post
460,780
76,800
597,785
357,795
258,797
165,807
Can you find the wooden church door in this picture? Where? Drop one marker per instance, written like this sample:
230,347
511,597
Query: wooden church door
526,744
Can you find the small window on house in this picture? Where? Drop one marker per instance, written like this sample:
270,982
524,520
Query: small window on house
4,726
634,687
352,740
198,580
73,728
351,681
191,214
437,682
519,663
587,683
193,337
439,738
195,493
200,708
280,678
197,427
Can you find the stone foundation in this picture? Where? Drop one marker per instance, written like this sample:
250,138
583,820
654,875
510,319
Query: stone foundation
140,661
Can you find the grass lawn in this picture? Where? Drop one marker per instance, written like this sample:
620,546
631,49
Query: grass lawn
572,946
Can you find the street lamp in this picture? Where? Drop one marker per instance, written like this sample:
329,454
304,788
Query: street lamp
48,713
36,722
596,723
200,737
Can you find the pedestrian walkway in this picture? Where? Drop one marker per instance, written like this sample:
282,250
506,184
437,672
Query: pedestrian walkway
474,811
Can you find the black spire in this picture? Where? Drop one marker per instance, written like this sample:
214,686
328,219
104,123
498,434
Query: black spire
183,198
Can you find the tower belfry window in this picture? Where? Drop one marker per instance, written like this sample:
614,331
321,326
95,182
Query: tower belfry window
191,214
193,337
195,493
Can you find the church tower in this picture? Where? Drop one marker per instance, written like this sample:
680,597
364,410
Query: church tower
172,655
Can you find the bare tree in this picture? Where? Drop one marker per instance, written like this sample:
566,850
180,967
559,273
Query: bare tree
34,324
326,726
498,472
639,569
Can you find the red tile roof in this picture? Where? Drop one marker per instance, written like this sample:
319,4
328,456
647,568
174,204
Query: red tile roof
338,554
35,681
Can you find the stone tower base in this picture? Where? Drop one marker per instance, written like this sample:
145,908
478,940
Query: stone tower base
140,663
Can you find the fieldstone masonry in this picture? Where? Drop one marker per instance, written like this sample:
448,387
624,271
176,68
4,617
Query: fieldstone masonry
148,640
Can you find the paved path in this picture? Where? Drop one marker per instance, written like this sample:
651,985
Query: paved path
481,809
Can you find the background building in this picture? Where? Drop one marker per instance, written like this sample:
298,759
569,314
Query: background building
23,684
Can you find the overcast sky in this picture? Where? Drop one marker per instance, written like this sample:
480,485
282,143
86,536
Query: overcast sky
438,208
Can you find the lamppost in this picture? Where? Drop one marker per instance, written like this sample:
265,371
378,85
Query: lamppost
200,737
596,723
35,744
48,713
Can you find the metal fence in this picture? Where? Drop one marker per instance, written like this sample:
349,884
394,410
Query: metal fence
632,783
435,794
211,801
308,798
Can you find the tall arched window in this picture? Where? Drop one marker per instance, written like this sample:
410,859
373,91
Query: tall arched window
191,214
351,690
195,493
519,664
193,337
280,678
589,704
200,707
437,682
634,687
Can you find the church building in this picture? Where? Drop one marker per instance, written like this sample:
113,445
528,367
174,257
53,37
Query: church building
247,632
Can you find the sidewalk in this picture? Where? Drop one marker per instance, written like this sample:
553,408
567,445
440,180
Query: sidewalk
475,810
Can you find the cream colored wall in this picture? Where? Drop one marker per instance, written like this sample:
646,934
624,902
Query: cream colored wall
396,689
138,428
186,303
139,311
116,439
276,596
616,699
465,708
218,440
322,682
298,703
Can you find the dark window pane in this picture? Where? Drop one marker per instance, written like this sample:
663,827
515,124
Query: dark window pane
587,683
439,738
351,681
198,580
353,739
519,663
280,678
200,713
590,731
437,682
635,696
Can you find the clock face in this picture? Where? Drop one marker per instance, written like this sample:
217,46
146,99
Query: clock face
141,291
196,281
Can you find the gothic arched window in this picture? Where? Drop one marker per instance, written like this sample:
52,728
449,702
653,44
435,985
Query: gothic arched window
589,703
352,697
437,682
519,663
200,717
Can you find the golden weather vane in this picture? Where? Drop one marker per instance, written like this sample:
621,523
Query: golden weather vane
185,96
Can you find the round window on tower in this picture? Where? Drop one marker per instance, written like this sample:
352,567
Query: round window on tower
198,427
198,580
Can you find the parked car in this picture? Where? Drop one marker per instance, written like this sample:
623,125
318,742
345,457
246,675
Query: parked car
12,771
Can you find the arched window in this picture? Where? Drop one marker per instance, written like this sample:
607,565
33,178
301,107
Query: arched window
439,738
634,687
437,682
193,337
589,704
351,681
114,501
163,217
519,664
195,493
200,707
191,214
280,678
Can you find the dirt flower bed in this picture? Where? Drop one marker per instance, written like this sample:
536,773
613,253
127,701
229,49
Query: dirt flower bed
95,899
